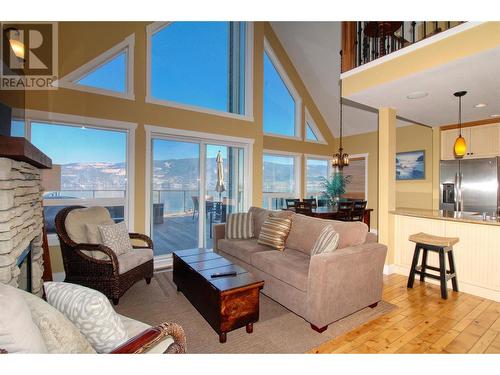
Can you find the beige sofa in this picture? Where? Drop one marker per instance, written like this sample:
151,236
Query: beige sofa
323,288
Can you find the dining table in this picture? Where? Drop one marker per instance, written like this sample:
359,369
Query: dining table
332,213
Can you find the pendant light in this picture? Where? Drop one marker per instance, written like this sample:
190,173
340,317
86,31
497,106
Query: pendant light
460,147
340,159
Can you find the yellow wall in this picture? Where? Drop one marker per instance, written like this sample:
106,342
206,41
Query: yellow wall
414,194
80,42
466,43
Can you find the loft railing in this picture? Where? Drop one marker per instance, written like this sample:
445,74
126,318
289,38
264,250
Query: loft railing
366,41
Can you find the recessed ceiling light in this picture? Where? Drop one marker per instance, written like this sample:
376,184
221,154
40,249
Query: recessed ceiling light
495,115
480,105
417,95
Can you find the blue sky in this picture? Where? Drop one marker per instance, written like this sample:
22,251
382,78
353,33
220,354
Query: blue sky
189,66
92,146
168,150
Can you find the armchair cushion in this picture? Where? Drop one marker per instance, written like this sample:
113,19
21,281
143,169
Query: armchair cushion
116,237
77,219
90,311
133,258
18,332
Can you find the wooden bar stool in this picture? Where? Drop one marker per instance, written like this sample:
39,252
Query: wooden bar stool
441,245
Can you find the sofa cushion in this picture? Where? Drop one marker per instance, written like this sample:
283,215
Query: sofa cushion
305,231
18,332
133,258
289,266
242,249
240,226
260,215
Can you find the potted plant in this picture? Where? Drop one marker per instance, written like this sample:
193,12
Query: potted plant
334,187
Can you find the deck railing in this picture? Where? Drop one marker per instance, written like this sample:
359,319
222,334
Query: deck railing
365,41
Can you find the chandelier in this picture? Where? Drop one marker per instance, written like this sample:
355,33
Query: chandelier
340,159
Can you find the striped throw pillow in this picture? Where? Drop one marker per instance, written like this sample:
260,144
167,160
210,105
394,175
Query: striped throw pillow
239,226
274,232
327,242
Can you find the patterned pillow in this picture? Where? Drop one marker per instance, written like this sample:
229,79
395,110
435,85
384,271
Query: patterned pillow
90,311
116,237
239,226
274,232
59,334
327,242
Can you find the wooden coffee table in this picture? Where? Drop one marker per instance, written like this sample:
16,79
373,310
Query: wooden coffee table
226,303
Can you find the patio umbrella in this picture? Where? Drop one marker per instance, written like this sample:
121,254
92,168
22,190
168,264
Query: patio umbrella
219,186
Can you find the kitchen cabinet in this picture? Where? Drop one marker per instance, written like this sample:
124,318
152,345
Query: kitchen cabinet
483,141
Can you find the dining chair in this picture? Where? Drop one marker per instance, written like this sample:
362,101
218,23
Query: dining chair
290,202
304,208
345,210
358,211
311,201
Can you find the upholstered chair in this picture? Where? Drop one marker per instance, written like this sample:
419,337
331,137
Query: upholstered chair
89,263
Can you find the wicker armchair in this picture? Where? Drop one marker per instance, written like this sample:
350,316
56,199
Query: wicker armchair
97,266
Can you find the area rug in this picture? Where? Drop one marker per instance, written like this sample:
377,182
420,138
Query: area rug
277,331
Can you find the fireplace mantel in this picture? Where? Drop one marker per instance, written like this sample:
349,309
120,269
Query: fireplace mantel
20,149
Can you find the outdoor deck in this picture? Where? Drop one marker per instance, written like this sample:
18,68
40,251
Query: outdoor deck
177,233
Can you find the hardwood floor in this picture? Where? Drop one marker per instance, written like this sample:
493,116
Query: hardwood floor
424,323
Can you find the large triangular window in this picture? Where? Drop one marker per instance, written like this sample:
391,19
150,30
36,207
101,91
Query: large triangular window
312,132
110,73
281,101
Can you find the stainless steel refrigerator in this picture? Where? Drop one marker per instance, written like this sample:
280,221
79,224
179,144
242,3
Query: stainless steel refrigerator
470,185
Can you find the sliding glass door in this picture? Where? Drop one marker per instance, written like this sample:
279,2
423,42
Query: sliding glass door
175,210
194,185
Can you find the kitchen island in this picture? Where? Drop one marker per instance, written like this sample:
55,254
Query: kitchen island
477,255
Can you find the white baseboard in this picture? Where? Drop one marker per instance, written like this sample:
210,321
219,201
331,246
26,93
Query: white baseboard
389,269
462,285
374,231
160,263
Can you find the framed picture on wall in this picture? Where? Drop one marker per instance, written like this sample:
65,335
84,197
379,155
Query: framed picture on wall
410,165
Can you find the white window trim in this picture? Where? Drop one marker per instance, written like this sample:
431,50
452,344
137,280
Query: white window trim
312,124
160,132
127,46
249,53
307,157
291,88
297,169
95,123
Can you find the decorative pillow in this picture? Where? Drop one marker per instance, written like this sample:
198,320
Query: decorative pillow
116,237
93,234
239,226
18,332
90,311
274,232
327,242
59,334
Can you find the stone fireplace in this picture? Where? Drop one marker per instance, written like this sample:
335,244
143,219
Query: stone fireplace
21,218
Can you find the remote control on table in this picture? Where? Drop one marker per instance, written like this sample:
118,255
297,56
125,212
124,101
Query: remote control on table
223,274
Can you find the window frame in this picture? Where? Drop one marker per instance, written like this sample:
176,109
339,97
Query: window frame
312,124
154,27
128,128
315,157
297,170
127,46
291,89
